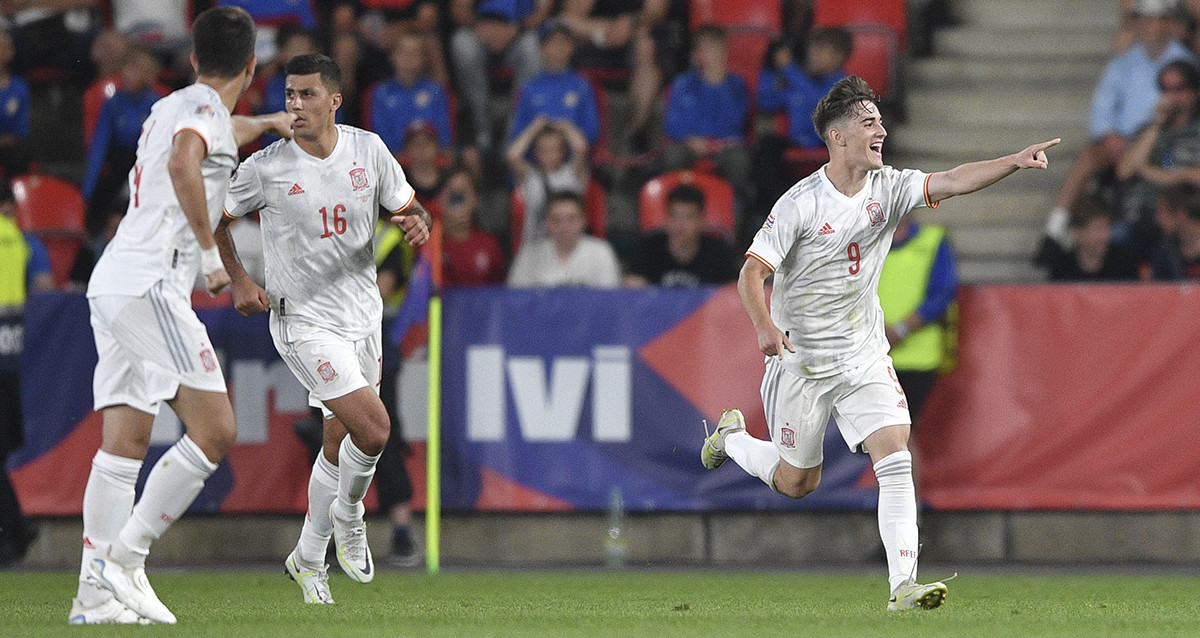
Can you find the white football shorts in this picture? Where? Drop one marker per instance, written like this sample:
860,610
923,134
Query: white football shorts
328,365
148,346
861,400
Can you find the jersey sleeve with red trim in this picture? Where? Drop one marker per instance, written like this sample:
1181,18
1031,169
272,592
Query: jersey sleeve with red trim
203,121
395,193
909,190
245,189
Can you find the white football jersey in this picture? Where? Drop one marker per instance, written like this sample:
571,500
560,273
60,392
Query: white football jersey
154,241
827,251
318,222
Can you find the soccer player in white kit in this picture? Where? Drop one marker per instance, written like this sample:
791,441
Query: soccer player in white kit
152,348
825,241
319,197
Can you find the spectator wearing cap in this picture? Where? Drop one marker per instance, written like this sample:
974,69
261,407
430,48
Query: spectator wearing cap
409,97
488,32
1122,104
425,165
558,92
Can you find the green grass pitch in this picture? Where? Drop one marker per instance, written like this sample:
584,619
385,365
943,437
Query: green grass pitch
658,604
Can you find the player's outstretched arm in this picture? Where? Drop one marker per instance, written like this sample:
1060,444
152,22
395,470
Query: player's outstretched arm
771,340
248,297
248,127
188,150
415,221
970,177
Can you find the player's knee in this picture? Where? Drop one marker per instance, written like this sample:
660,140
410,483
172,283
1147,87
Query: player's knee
221,437
797,486
375,435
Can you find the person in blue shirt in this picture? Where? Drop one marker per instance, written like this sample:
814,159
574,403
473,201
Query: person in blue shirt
706,114
278,12
785,86
558,92
488,32
410,96
14,113
114,143
1123,103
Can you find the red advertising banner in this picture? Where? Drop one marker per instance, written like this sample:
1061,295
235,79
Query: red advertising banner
1068,397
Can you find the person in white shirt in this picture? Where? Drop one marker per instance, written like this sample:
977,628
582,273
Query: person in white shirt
825,241
567,257
318,197
152,348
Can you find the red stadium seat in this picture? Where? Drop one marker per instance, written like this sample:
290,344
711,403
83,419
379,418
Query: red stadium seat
874,57
718,201
52,209
595,203
839,13
767,14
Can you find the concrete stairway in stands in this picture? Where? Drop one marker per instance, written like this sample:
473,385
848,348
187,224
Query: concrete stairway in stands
1012,73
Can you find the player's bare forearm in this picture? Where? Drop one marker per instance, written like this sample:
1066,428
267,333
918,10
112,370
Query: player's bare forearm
771,341
248,297
972,176
415,221
248,127
229,256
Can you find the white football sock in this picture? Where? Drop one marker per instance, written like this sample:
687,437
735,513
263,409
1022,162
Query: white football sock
355,471
107,503
756,456
322,490
170,489
898,516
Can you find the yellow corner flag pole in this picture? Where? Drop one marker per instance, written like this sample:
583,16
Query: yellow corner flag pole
433,444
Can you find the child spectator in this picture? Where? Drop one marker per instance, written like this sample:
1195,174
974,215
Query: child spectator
559,164
706,113
681,254
114,143
567,257
410,96
558,92
14,114
470,257
423,162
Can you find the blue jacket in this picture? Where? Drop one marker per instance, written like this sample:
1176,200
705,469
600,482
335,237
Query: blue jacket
697,108
794,92
558,96
119,124
14,108
395,106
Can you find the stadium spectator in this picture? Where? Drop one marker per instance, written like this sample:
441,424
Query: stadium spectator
15,102
334,330
825,244
143,282
558,92
548,156
470,256
410,96
490,31
158,25
1123,103
53,34
1094,255
1177,256
568,256
423,162
1165,153
26,269
783,86
682,254
918,284
637,35
382,21
706,114
114,145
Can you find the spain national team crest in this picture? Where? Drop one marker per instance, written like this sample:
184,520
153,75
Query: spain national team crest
787,437
208,359
875,213
358,178
327,372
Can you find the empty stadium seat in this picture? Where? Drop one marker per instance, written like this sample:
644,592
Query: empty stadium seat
874,58
749,25
839,13
718,201
53,209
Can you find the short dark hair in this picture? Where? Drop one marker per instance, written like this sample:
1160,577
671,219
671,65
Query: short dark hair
1186,70
1183,197
566,196
223,41
1087,208
843,100
835,38
709,31
309,63
687,194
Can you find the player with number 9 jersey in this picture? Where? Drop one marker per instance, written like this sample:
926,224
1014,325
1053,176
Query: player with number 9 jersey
320,216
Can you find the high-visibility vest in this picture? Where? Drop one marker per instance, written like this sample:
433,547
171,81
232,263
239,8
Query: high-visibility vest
14,258
390,236
902,287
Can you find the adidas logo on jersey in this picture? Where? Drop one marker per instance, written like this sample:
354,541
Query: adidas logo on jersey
296,190
826,230
902,404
